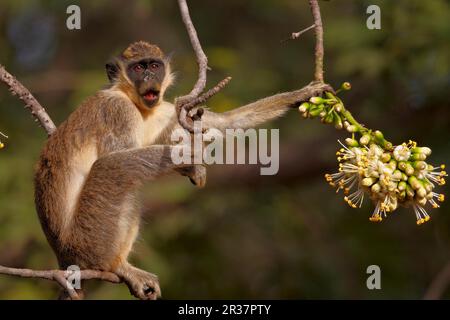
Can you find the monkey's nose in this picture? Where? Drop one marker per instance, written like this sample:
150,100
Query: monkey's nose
148,75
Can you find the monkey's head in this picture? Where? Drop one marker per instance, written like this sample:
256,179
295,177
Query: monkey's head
142,71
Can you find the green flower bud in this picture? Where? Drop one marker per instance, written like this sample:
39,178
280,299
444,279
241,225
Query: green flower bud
385,157
425,150
346,86
402,165
397,175
414,183
338,107
304,107
365,139
352,129
422,201
421,192
409,170
418,156
419,165
402,186
315,111
330,95
379,135
317,100
337,121
329,118
367,182
376,188
351,142
409,191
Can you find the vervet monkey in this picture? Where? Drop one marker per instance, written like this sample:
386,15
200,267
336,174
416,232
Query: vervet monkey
89,171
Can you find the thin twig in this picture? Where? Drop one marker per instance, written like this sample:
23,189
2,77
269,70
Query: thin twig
186,103
319,51
202,60
208,94
31,103
296,35
60,276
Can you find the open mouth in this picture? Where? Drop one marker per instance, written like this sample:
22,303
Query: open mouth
151,95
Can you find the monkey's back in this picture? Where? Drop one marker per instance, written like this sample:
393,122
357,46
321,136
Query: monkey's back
62,167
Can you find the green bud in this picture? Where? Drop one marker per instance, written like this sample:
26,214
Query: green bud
317,100
428,186
346,86
337,121
376,188
315,111
351,142
385,157
397,175
393,164
402,186
330,95
338,107
425,150
365,139
379,135
409,191
422,201
409,170
402,195
367,182
419,165
404,177
402,165
414,183
421,192
323,114
352,129
418,156
329,118
304,107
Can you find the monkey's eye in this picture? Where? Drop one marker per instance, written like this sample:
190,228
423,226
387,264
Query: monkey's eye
138,68
154,66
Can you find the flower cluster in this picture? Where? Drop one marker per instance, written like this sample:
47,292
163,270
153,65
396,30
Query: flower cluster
389,175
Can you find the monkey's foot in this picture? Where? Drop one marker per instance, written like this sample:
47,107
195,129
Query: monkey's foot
196,174
142,284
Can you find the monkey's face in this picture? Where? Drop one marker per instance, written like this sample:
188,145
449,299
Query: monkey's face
147,76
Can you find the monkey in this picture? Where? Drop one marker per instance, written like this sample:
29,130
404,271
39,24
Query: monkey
90,169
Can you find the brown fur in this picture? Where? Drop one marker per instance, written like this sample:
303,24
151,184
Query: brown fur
90,169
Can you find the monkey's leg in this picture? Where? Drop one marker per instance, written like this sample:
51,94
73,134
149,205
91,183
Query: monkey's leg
106,221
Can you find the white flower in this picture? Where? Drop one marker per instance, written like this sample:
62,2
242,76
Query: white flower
402,153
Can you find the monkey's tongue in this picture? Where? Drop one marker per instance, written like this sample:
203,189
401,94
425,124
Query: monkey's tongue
151,96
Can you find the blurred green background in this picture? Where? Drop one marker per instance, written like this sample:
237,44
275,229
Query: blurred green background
244,235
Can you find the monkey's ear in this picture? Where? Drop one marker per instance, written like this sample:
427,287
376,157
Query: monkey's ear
112,70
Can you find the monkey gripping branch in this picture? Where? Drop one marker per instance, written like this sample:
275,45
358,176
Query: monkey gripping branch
368,163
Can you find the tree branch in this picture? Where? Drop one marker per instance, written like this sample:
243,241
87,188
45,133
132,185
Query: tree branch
319,51
16,88
186,103
60,276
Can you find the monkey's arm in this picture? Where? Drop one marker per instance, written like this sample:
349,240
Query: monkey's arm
261,111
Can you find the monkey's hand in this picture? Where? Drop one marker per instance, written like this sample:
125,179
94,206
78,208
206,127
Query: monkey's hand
195,173
313,89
